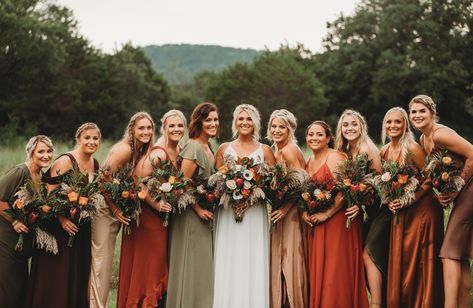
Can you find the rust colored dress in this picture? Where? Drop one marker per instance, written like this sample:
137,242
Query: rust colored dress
336,271
415,276
143,274
289,273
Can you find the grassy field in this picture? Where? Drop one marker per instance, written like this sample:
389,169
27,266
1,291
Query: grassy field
11,156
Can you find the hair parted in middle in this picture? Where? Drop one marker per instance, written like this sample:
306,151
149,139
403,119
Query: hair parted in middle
341,144
287,118
327,129
254,115
171,113
198,116
129,135
407,136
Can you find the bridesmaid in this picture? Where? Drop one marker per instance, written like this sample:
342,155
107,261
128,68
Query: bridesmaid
62,280
242,249
191,248
457,247
138,136
353,140
289,282
414,274
13,264
336,273
143,284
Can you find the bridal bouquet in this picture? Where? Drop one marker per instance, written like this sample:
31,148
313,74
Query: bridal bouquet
167,184
398,181
444,168
78,199
354,178
32,207
239,183
124,191
318,197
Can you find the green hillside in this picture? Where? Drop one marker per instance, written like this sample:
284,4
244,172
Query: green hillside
180,63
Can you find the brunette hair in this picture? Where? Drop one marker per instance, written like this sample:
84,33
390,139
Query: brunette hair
199,114
327,129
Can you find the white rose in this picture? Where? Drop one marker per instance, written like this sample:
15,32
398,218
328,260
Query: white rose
246,185
237,168
166,187
386,177
116,181
201,190
231,184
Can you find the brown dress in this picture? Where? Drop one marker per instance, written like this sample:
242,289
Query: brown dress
336,271
143,276
289,272
415,276
61,280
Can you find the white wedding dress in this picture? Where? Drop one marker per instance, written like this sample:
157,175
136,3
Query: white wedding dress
241,260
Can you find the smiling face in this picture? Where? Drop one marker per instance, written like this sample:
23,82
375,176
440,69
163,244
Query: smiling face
244,124
279,131
394,125
143,131
174,128
351,128
42,155
210,124
89,141
421,117
317,138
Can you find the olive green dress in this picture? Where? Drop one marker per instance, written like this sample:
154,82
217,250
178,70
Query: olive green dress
13,265
191,247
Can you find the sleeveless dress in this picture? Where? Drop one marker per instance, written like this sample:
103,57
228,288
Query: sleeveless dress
242,254
61,280
289,270
415,276
13,264
143,276
190,253
336,271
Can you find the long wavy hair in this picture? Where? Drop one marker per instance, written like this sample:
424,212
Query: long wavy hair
407,136
130,138
341,144
288,119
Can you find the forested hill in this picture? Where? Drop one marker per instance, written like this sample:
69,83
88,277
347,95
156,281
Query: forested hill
180,63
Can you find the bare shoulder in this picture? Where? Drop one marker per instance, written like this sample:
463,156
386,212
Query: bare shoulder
157,154
221,149
336,156
443,134
415,148
384,148
267,149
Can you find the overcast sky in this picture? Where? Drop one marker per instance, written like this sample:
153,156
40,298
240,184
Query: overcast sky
236,23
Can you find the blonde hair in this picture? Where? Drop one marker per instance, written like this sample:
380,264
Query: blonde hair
407,136
254,115
427,101
341,144
287,118
171,113
34,141
87,126
129,135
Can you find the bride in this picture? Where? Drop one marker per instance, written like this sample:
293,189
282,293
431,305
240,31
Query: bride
241,258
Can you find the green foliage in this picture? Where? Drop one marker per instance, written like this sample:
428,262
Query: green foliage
181,63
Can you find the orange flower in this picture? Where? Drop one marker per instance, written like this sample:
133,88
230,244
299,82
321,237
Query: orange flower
347,182
72,196
142,195
172,179
445,176
20,204
223,169
321,196
402,178
125,194
83,201
362,187
45,208
446,160
245,193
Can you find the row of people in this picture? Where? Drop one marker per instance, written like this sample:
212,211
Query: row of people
243,265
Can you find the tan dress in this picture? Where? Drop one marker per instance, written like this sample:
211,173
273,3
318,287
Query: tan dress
289,272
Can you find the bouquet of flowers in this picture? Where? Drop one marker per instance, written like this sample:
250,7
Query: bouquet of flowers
32,206
354,178
78,199
239,183
125,191
318,197
444,168
398,181
167,184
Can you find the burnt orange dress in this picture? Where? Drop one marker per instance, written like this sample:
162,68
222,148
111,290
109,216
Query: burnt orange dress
336,271
143,275
415,271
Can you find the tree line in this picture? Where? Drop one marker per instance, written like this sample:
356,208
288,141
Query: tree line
379,57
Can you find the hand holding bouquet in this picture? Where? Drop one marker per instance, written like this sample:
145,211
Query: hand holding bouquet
33,208
444,168
318,197
124,191
397,182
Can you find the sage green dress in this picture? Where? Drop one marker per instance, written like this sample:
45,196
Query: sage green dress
13,265
190,282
